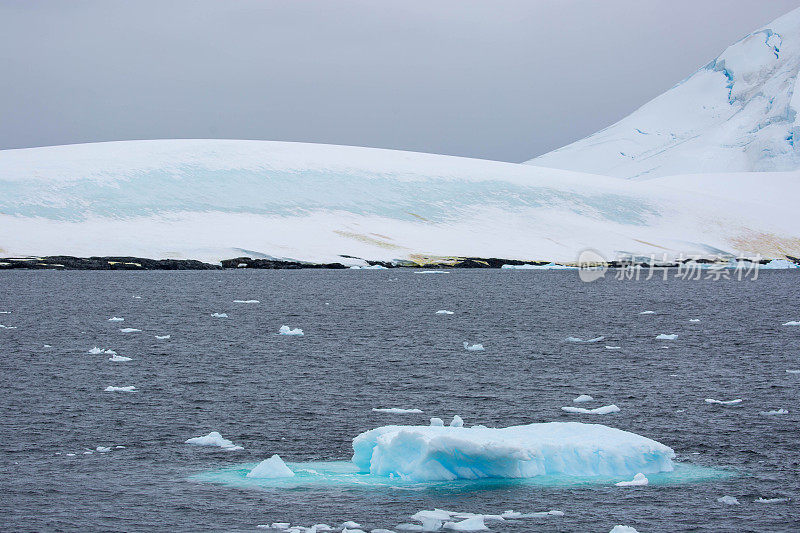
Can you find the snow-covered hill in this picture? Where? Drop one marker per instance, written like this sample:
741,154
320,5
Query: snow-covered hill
739,113
214,199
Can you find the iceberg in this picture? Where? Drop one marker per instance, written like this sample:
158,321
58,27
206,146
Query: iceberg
728,500
583,398
724,402
666,337
779,264
623,529
286,330
96,351
774,412
438,453
129,388
395,410
793,371
103,449
116,319
578,339
469,524
473,347
637,481
213,439
129,330
119,358
219,315
274,467
694,320
792,323
606,409
771,500
444,312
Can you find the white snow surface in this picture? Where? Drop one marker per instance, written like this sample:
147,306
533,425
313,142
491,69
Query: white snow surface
273,467
738,113
430,453
216,199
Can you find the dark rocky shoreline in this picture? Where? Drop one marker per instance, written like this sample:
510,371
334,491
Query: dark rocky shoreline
65,262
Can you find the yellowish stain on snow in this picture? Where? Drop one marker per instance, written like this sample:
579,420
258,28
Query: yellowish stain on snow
366,239
768,245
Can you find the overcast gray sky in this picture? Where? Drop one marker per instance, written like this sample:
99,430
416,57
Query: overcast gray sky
503,80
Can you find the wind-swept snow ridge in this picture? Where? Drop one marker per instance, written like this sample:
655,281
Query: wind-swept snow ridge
218,199
431,453
738,113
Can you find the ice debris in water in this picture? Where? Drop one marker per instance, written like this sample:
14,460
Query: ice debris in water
647,313
775,412
606,409
110,352
129,388
246,301
583,398
694,320
473,347
129,330
771,500
578,339
793,371
728,500
457,422
623,529
469,524
116,319
436,453
444,312
119,358
665,337
792,323
96,351
219,315
368,267
103,449
637,481
395,410
724,402
162,337
274,467
431,272
7,327
214,439
286,330
613,347
437,422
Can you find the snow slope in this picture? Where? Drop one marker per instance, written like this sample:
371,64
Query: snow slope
738,113
215,199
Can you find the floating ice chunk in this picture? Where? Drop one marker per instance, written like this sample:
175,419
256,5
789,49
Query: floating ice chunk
7,327
46,346
246,301
130,388
637,481
583,398
110,352
279,525
444,312
623,529
606,409
103,449
213,439
433,453
724,402
119,447
457,422
408,527
774,412
793,371
578,339
219,315
792,323
137,297
286,330
87,453
274,467
162,337
5,312
70,455
473,347
129,330
116,319
537,515
437,422
395,410
665,337
431,272
694,320
613,347
119,358
96,351
470,524
647,313
728,500
771,500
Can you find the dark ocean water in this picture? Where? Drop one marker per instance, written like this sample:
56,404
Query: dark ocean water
372,340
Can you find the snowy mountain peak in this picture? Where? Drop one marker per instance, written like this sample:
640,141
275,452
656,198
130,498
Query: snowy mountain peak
739,113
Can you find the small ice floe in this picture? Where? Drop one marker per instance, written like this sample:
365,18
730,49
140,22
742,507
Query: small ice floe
694,320
578,339
246,301
103,449
457,422
351,525
88,453
286,330
119,358
637,481
623,529
665,337
724,402
771,500
792,323
274,467
129,388
96,351
475,523
219,315
774,412
137,297
444,312
110,352
647,313
395,410
214,439
7,327
613,347
473,347
5,312
431,272
606,409
162,337
119,447
583,398
793,371
116,319
46,346
437,422
728,500
128,330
